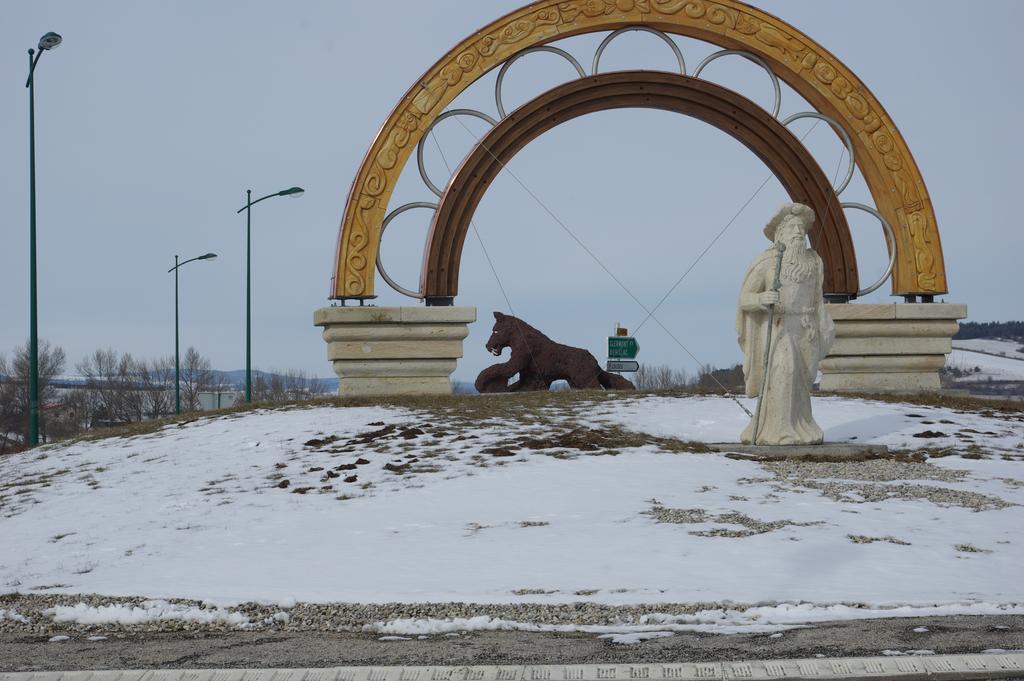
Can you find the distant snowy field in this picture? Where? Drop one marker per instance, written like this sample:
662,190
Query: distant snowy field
397,505
993,346
998,360
992,367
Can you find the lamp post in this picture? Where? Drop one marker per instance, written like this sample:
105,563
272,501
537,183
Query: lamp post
177,366
294,192
47,42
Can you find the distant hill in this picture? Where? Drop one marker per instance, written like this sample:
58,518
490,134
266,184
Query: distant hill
1005,330
236,378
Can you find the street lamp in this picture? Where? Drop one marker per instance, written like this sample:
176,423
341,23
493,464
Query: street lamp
294,192
47,42
177,367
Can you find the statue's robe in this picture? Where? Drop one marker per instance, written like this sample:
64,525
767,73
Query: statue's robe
802,334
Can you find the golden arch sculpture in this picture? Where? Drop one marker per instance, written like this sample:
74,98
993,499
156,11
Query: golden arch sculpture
881,154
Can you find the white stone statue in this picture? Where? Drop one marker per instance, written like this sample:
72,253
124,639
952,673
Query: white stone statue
781,316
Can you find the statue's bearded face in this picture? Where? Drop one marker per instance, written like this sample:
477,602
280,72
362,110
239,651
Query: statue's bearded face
798,261
791,231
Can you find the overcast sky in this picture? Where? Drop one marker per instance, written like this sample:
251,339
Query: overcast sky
153,118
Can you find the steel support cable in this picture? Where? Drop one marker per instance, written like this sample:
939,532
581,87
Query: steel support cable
494,271
575,238
717,237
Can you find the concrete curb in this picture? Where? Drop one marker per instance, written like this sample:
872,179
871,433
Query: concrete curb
933,667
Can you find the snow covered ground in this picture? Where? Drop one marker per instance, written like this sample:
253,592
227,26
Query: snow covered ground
597,501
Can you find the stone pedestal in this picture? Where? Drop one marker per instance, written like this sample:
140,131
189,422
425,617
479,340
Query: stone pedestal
889,348
394,350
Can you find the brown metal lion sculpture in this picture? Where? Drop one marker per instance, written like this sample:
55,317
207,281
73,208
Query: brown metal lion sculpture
540,361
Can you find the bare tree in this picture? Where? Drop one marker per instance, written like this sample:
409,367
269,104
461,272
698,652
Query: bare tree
115,386
72,415
14,393
159,382
10,413
196,377
730,379
296,385
660,377
291,385
261,386
97,369
318,387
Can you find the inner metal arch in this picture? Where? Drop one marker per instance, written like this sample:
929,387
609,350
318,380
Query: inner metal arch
753,58
625,29
773,143
841,131
380,265
890,239
540,48
419,147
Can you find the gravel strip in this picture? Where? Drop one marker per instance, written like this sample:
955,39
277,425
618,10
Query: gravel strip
351,617
874,470
861,482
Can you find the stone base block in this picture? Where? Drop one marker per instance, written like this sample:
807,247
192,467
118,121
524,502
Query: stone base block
382,386
894,382
889,348
379,351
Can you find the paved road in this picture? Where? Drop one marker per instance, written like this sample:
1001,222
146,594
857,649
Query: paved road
947,635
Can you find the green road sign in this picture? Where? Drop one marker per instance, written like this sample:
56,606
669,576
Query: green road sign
622,347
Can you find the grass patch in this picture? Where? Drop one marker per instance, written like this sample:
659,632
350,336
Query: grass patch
696,516
970,548
864,539
534,592
607,441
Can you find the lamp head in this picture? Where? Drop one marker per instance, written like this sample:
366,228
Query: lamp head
50,41
294,192
208,256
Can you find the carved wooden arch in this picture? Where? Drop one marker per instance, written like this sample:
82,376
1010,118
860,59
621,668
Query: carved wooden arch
882,155
732,113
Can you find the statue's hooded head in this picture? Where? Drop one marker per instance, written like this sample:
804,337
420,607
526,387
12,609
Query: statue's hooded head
793,213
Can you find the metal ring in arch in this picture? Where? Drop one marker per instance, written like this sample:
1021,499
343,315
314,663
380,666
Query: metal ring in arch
614,34
419,147
540,48
750,57
845,136
890,238
384,225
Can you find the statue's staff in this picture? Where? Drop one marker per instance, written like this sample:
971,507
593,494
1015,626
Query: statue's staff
780,248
